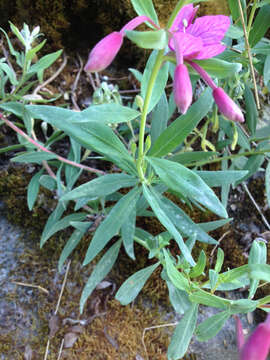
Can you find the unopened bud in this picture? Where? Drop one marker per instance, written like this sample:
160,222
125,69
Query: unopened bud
227,106
139,102
182,88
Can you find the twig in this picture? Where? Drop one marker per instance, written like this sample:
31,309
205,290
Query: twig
61,349
152,328
54,76
62,288
31,285
219,241
60,158
249,55
256,206
47,349
75,84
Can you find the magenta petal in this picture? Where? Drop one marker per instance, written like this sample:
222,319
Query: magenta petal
211,29
182,88
210,51
239,333
258,344
189,45
104,52
188,13
227,106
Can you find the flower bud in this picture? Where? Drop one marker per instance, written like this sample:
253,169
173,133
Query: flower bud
227,106
104,52
182,88
258,344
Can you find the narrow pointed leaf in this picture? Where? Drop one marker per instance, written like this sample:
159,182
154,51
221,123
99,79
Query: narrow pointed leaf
112,224
176,277
100,271
183,333
211,326
186,182
133,285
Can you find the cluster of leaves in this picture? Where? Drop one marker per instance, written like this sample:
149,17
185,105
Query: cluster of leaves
171,166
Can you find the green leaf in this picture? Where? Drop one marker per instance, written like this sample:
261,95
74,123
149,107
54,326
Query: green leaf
155,39
259,271
257,255
251,110
266,70
43,63
234,8
252,165
108,114
31,53
198,269
177,279
184,223
92,135
133,285
186,158
243,306
128,232
186,182
235,32
183,333
213,278
219,68
180,128
211,326
205,298
160,83
101,186
260,25
10,73
32,189
72,242
231,275
160,117
145,7
48,182
220,260
102,268
34,157
112,224
160,211
219,178
178,298
60,225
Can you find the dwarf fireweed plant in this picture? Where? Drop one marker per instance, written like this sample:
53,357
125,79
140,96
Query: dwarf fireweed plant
153,158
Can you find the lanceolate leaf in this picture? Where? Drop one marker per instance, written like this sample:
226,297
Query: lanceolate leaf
100,271
32,190
219,68
160,211
260,25
176,277
112,224
211,326
133,285
183,333
101,186
186,182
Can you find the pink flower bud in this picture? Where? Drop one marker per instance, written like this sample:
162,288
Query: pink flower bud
182,88
104,52
227,106
258,344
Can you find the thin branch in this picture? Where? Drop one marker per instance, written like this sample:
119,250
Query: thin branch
32,286
54,76
256,206
62,288
249,55
60,158
152,328
75,84
61,349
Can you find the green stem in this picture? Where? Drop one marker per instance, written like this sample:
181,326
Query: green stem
177,8
229,157
251,16
148,95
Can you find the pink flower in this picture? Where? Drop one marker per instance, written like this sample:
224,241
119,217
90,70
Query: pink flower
227,106
257,345
199,40
182,88
206,32
102,55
